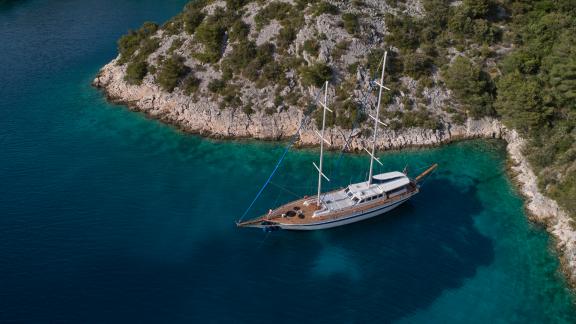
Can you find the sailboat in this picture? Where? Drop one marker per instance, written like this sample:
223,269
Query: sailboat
356,202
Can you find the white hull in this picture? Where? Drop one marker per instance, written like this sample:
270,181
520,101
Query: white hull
353,218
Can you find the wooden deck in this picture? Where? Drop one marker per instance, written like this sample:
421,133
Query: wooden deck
296,212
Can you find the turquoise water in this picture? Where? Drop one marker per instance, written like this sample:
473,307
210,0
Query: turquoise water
106,216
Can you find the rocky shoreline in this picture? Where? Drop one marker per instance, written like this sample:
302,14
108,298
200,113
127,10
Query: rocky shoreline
204,117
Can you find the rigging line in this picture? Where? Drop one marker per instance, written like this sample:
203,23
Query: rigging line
292,141
364,102
282,188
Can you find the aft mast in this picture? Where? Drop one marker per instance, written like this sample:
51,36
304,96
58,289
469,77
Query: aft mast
322,140
376,120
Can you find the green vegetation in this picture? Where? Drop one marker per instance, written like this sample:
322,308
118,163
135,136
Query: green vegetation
325,8
537,92
315,74
471,86
135,72
351,23
192,19
239,31
311,47
275,10
340,48
211,34
171,72
256,63
190,84
131,42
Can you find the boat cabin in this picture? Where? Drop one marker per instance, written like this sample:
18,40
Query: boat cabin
384,185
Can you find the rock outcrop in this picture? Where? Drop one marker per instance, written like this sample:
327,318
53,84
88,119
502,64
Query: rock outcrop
543,209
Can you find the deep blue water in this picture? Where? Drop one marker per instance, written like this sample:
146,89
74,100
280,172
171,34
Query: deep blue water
106,216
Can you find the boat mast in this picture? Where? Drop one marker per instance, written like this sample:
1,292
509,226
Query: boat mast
322,140
376,120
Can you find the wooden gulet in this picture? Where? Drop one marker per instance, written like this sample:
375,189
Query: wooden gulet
379,194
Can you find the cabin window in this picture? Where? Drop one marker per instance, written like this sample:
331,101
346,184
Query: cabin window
349,194
380,196
347,190
355,199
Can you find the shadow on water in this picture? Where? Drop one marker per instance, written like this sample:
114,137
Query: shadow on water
9,4
377,270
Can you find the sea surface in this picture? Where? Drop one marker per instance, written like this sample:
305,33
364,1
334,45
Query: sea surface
107,216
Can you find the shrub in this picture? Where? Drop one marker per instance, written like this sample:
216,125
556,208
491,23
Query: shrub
135,72
417,65
192,19
312,47
129,43
315,74
239,31
340,48
216,86
520,102
349,115
242,54
404,32
236,4
325,8
471,86
172,70
190,84
351,23
176,44
285,37
274,10
210,33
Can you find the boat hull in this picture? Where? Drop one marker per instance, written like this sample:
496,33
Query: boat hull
353,218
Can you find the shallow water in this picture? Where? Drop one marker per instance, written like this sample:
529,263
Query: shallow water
106,216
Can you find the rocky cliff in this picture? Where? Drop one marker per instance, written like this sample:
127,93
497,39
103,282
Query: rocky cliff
205,117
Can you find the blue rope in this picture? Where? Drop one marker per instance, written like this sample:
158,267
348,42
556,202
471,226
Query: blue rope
292,141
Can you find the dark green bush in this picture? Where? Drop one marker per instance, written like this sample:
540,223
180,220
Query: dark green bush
275,10
171,72
315,74
190,84
312,47
130,43
135,72
471,86
340,48
351,23
285,37
325,8
417,65
242,54
192,19
216,86
239,31
236,4
210,33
